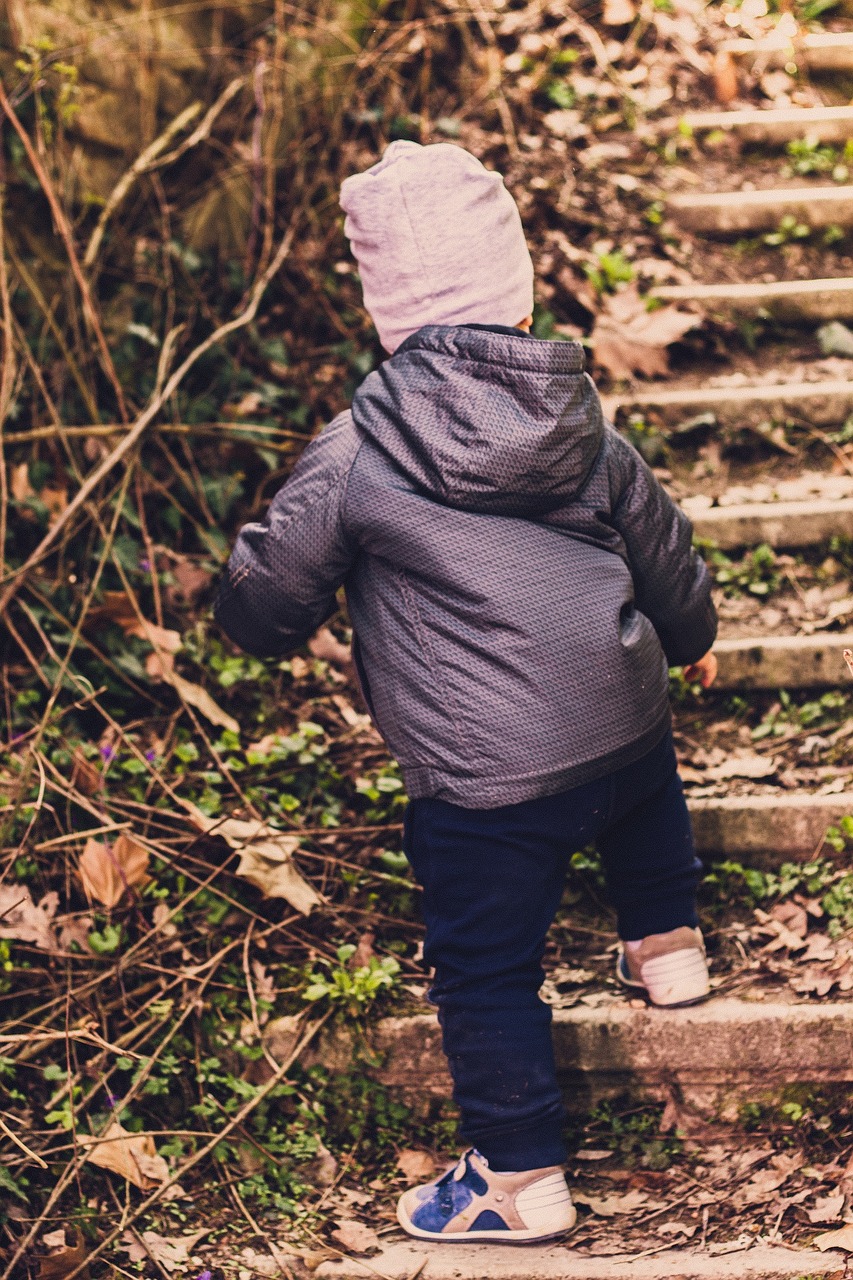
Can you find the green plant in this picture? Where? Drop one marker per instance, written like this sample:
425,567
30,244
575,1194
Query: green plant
608,271
635,1135
785,716
755,574
351,991
808,156
820,880
789,231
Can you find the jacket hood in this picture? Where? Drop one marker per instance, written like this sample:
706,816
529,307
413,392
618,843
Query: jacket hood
485,420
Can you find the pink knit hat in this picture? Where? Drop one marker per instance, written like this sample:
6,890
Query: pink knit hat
438,240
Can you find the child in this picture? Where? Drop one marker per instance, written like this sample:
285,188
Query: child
517,582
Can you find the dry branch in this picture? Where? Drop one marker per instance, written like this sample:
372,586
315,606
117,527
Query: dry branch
152,158
138,428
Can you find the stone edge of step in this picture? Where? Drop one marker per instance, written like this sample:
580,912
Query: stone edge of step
404,1260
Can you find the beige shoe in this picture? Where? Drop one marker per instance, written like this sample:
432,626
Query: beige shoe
473,1202
670,967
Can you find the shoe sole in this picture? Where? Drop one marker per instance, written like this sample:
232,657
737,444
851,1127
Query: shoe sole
514,1237
656,1004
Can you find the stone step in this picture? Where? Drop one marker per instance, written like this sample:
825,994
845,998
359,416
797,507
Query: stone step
825,403
783,662
824,124
766,830
794,301
821,51
714,1054
736,212
406,1259
784,525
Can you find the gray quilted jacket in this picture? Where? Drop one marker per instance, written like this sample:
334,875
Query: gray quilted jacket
517,580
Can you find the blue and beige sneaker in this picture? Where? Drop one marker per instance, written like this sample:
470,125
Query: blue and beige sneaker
472,1202
670,967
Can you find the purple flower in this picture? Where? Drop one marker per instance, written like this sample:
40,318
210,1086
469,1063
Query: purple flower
150,755
108,752
145,566
205,1275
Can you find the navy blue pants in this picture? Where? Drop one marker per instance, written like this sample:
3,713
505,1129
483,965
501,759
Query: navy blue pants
492,881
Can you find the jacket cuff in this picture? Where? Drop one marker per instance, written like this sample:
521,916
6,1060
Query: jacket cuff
693,637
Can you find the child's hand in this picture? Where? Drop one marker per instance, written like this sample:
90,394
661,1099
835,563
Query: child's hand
705,671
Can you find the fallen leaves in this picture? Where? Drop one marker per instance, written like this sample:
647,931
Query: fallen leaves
609,1206
629,339
22,920
108,870
63,1257
355,1237
266,858
168,1252
117,606
840,1239
415,1166
827,1208
132,1156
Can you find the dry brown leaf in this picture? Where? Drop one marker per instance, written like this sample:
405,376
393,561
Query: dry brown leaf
349,714
117,606
416,1166
194,696
618,13
684,1229
22,920
840,1239
364,952
75,929
609,1206
793,916
109,870
628,339
266,859
189,581
355,1237
748,765
85,776
725,77
169,1252
812,981
63,1258
19,482
827,1208
56,500
131,1155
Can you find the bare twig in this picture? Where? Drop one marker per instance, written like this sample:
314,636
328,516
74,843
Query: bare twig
138,428
64,230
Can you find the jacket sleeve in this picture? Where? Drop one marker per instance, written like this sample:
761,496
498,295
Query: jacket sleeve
280,582
671,582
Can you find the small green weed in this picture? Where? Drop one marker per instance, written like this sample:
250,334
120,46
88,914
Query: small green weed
351,991
819,880
808,156
755,574
789,231
785,717
635,1135
608,271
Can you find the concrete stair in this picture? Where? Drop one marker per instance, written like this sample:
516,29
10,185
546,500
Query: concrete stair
789,301
402,1259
